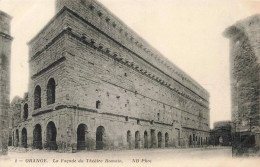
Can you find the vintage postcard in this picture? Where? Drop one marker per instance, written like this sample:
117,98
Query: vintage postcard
130,83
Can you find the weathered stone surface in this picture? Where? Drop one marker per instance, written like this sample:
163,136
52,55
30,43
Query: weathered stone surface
112,90
245,85
244,62
5,53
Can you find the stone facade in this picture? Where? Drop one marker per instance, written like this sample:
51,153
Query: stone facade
95,84
5,56
245,70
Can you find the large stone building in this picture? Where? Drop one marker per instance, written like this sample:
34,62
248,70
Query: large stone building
245,83
5,56
95,84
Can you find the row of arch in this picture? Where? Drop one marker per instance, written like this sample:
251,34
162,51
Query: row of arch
146,141
198,140
51,134
82,137
51,86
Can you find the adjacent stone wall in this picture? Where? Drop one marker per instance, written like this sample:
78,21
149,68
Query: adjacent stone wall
221,134
244,59
5,53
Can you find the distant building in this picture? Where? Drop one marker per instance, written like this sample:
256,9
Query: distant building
95,84
5,58
245,83
220,135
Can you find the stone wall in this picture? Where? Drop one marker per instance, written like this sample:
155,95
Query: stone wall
244,59
5,53
97,15
221,134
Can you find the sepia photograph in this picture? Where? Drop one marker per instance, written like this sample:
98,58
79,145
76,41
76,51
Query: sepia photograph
130,83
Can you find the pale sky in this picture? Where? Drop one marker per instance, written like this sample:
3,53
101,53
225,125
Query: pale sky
187,32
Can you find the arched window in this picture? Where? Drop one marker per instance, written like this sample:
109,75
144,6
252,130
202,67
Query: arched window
25,111
37,97
51,91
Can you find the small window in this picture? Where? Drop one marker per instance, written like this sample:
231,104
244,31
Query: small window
126,118
158,116
25,114
100,13
51,86
125,74
37,97
4,61
114,25
91,7
98,104
138,122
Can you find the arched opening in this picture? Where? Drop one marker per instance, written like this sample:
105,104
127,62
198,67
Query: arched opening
129,138
178,137
190,140
24,138
51,135
137,139
145,139
37,137
25,111
159,136
153,138
13,139
219,140
166,140
16,138
51,86
81,136
201,141
10,140
37,97
100,138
